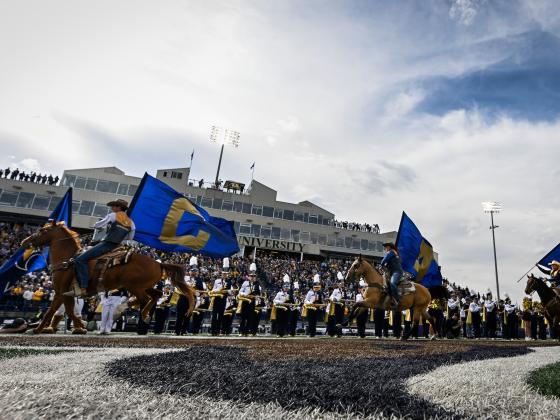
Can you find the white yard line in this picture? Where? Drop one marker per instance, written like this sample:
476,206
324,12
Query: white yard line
492,388
75,385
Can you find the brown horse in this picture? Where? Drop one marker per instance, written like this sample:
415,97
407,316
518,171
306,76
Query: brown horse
549,299
374,296
138,276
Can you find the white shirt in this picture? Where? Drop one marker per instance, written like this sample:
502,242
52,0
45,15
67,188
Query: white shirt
112,218
473,307
490,305
359,297
509,308
336,295
219,284
28,295
281,297
451,303
245,289
311,297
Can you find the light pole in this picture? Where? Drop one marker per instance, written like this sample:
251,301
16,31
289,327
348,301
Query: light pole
493,207
223,137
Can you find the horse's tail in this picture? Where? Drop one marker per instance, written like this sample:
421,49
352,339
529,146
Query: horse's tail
176,274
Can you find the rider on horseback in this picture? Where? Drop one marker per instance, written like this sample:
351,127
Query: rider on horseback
121,228
392,263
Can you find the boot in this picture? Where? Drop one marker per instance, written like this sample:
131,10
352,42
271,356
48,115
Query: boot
76,290
53,328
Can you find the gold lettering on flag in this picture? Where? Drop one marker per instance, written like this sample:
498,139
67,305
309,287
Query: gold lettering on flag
171,223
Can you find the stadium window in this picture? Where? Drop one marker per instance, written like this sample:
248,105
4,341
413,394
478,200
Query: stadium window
246,208
176,175
25,200
275,234
244,229
91,183
123,188
268,211
356,243
8,198
237,206
285,234
326,221
217,203
277,213
372,246
304,236
313,219
80,183
132,189
348,242
165,174
305,217
86,208
364,244
236,227
314,237
379,246
265,232
257,210
288,215
68,180
320,219
199,200
41,202
322,239
331,240
256,230
100,210
54,202
103,186
295,235
206,202
298,216
227,205
75,206
339,241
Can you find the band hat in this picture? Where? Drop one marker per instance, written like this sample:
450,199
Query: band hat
339,276
193,263
225,265
119,203
316,279
362,283
296,285
286,278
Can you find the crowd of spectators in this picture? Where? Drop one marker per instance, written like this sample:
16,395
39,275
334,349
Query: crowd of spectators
35,177
361,227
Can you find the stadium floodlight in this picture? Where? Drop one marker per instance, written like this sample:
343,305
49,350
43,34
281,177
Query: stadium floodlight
223,136
493,207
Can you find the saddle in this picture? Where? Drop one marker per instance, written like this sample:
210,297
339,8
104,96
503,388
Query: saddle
117,256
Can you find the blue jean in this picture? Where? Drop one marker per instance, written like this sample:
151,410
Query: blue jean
395,280
81,261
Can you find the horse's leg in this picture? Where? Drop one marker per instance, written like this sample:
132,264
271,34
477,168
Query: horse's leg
352,314
415,321
431,321
78,327
57,301
153,296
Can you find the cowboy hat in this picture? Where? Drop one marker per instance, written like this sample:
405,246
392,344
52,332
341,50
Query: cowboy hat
554,262
118,203
390,245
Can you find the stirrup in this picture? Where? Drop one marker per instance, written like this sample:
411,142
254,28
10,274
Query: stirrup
76,290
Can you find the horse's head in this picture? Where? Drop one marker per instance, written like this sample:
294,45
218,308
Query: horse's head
531,284
357,269
44,235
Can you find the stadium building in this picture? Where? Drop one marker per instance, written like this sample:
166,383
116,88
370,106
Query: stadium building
262,223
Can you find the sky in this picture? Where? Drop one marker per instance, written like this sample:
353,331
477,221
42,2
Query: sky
366,108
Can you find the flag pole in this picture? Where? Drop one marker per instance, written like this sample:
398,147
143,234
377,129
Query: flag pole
252,172
528,271
190,170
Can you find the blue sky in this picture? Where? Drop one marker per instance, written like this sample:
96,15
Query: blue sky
366,108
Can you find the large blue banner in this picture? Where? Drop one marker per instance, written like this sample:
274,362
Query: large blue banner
26,260
554,254
165,219
417,254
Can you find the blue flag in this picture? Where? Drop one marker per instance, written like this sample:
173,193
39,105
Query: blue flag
554,254
165,219
417,254
26,260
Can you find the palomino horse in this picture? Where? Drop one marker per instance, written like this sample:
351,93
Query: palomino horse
138,276
417,301
549,299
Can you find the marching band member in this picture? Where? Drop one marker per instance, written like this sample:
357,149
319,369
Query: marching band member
202,300
313,301
490,308
335,310
229,313
361,318
218,295
162,310
474,311
294,309
246,302
260,305
280,309
510,319
111,300
182,322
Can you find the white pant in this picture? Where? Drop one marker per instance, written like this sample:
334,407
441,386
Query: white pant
78,306
110,305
